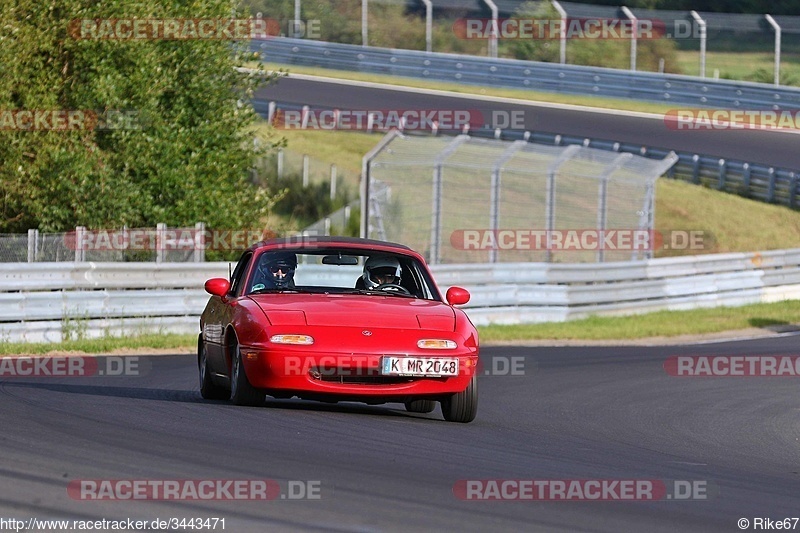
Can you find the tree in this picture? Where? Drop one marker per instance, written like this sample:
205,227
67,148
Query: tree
183,156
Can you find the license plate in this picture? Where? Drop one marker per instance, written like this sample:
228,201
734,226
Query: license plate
419,366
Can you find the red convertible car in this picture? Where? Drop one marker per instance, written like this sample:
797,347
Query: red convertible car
338,319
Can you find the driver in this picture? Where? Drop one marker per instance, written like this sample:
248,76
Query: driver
276,271
381,270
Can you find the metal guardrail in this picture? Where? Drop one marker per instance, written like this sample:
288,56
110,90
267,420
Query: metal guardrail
752,180
50,302
518,74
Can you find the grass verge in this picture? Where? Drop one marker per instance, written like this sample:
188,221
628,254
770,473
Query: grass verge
103,345
657,324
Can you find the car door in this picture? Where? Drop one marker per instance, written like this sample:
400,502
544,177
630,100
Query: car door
219,315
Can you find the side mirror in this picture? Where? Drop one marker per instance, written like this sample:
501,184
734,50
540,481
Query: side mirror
457,296
218,286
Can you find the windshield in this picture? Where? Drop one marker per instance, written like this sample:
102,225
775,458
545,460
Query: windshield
346,271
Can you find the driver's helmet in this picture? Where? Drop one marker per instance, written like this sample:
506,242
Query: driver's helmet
279,267
380,270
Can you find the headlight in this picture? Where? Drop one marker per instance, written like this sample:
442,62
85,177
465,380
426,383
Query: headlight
436,344
304,340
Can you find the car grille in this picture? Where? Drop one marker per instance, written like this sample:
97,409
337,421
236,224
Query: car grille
366,380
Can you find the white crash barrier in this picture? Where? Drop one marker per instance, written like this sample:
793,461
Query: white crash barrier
52,301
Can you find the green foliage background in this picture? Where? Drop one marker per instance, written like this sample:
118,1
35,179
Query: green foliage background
190,161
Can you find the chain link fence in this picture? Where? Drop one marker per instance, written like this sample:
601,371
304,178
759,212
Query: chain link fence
469,200
160,244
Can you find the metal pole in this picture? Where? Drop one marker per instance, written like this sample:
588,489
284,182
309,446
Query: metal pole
296,24
550,206
364,23
563,37
161,236
436,209
495,30
200,242
634,35
80,238
305,170
366,163
602,197
32,245
428,25
703,35
333,182
494,196
777,29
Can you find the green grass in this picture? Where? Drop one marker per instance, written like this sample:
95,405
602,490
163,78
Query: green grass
741,65
657,324
103,345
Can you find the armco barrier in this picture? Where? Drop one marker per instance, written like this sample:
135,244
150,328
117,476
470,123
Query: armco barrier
517,74
50,301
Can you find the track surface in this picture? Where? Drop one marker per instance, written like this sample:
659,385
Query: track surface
766,147
576,413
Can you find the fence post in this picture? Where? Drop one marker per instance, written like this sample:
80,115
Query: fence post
161,234
333,182
746,177
550,205
33,245
771,191
199,242
634,34
296,26
777,29
80,237
723,169
305,170
364,24
695,169
792,189
703,37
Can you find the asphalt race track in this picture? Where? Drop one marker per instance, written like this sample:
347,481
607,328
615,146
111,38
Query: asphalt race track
569,413
772,148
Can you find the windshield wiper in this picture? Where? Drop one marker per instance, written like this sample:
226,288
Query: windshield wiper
376,292
275,290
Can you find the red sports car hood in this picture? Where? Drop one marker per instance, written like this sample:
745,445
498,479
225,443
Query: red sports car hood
355,310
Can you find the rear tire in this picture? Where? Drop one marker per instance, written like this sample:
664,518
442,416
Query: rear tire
242,392
208,389
420,406
462,406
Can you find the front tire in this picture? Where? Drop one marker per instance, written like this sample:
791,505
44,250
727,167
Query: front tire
242,392
420,406
208,389
462,406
